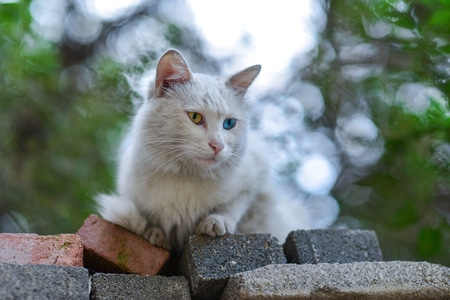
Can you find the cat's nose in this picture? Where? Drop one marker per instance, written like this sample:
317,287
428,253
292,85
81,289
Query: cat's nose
217,147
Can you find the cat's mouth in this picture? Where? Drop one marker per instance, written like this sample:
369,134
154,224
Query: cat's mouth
209,161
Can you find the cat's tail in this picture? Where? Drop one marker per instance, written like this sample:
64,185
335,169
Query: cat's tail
120,211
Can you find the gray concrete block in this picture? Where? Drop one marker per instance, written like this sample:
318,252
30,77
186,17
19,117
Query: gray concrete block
122,286
209,262
43,282
332,246
360,280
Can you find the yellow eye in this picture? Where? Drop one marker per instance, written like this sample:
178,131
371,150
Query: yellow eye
195,117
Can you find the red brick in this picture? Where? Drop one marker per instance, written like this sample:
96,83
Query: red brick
30,248
110,248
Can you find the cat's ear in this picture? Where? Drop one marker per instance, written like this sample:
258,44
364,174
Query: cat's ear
172,68
240,81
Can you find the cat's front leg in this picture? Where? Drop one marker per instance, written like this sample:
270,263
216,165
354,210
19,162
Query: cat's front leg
157,237
216,225
226,217
123,212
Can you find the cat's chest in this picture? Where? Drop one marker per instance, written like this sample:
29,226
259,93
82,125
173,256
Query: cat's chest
183,195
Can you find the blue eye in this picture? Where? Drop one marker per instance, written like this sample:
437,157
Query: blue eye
229,123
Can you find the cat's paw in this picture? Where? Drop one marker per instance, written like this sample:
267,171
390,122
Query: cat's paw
215,225
157,237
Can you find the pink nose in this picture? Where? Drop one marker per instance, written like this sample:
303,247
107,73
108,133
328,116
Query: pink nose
217,147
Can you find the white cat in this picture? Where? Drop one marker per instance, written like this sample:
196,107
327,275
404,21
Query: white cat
190,165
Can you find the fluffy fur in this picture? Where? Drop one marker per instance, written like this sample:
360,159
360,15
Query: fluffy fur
177,178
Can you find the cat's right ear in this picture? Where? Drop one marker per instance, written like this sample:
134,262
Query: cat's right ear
172,68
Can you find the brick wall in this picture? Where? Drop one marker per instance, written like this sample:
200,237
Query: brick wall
105,261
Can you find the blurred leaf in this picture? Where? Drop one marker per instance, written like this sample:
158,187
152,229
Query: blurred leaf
174,35
403,217
9,12
429,242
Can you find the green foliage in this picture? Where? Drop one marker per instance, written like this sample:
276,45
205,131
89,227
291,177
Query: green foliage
53,137
429,242
174,35
411,184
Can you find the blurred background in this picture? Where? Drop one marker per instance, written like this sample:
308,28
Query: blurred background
353,97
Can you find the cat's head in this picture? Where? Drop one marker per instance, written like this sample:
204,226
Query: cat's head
196,124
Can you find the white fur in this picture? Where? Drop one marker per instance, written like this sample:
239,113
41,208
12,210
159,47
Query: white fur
170,183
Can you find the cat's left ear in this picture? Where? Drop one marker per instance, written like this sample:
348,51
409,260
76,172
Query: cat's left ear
172,68
240,81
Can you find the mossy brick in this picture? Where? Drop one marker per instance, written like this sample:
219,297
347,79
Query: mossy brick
359,280
208,262
109,248
30,248
43,282
122,286
331,246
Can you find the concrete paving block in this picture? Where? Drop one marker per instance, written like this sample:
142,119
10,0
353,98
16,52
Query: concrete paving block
30,248
121,286
360,280
208,262
109,248
332,246
43,282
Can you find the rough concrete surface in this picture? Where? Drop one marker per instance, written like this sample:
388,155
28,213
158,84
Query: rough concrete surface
121,286
332,246
109,248
361,280
30,248
43,282
209,262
